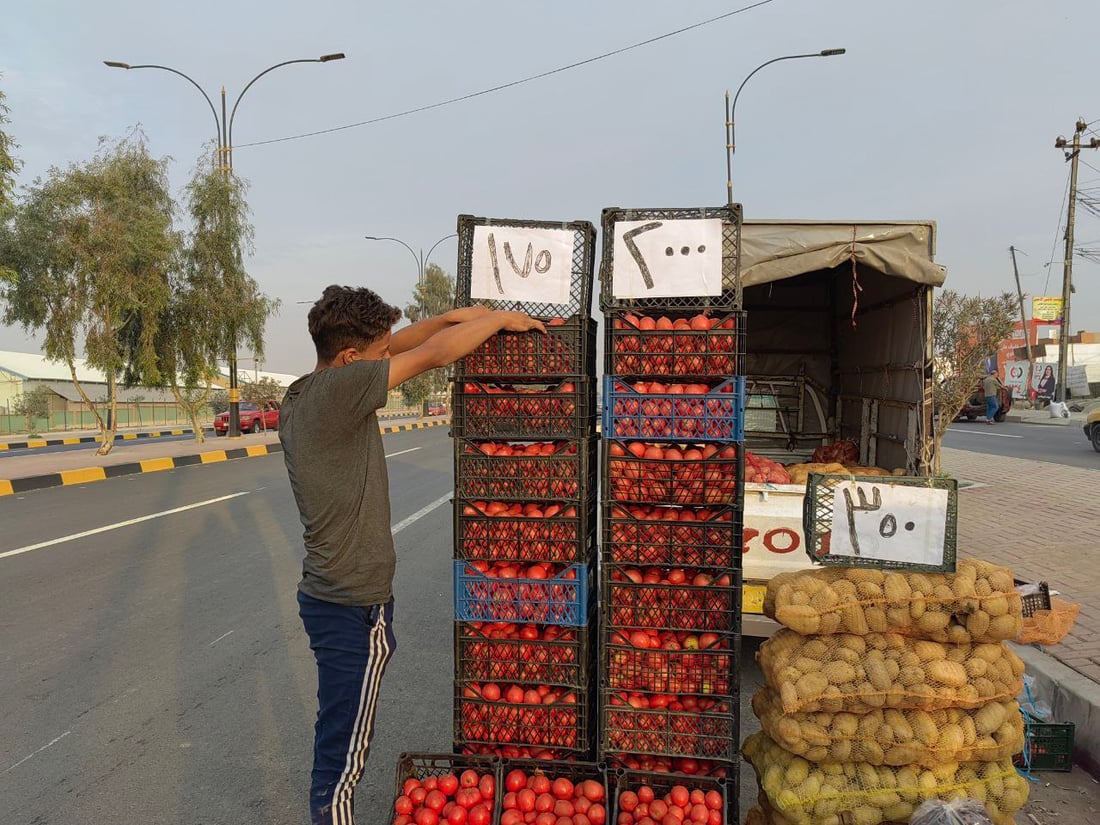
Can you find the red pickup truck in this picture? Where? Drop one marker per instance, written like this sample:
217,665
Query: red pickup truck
253,418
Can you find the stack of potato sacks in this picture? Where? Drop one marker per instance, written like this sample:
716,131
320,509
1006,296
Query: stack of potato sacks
885,689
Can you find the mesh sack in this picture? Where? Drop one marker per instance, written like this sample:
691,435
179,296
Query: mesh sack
767,815
859,674
977,603
1049,627
855,793
895,737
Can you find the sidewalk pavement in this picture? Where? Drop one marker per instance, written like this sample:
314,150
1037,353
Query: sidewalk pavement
1042,521
1021,415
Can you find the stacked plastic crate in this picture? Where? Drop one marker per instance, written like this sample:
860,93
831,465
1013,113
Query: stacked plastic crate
671,519
524,519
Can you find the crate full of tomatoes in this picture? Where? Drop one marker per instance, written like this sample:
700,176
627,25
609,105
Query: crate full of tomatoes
658,798
525,471
671,663
537,593
527,715
559,792
670,598
555,532
639,472
445,789
514,652
668,725
648,535
497,410
567,348
680,344
654,411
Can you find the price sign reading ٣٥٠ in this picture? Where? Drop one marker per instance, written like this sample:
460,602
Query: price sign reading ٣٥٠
514,263
667,258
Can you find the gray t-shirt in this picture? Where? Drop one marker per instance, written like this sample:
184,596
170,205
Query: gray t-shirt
333,452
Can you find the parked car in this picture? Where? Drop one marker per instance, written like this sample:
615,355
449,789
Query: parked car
975,404
1092,428
437,408
252,418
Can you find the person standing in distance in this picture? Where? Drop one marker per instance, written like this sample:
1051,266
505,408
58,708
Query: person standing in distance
991,387
334,457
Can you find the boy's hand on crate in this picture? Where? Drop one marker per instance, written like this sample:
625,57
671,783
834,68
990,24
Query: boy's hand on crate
519,322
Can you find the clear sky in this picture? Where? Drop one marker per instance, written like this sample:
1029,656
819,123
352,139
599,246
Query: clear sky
943,109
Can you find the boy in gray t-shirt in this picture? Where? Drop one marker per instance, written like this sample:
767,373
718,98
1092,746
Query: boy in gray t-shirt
334,457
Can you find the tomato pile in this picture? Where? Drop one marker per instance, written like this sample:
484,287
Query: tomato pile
447,800
521,652
680,806
641,472
670,663
663,764
643,534
670,598
514,714
538,799
536,471
558,352
657,411
682,347
509,531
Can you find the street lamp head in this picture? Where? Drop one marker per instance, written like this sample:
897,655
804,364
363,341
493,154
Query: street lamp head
325,58
832,52
116,64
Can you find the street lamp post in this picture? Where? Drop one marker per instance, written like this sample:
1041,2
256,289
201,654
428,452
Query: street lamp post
421,259
223,130
730,139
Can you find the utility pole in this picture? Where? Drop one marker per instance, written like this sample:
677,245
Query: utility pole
1067,272
1023,318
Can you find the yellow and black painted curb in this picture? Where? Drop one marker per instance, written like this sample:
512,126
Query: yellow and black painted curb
91,439
85,475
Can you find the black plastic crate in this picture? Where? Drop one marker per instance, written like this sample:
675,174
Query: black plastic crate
646,472
1048,746
642,535
628,781
627,604
537,753
709,669
421,766
684,768
696,734
578,301
575,772
730,297
1035,601
647,411
549,471
557,655
567,348
564,599
492,531
564,725
683,345
562,410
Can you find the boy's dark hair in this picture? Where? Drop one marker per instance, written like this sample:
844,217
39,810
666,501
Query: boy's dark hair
348,316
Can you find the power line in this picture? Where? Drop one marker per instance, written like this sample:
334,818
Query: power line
1057,231
512,83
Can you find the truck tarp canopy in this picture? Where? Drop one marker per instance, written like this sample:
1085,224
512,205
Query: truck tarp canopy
776,250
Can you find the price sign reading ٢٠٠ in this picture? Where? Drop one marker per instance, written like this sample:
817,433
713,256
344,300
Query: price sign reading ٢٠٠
667,258
513,263
889,522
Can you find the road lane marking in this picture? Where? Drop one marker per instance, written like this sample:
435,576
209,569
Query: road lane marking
119,524
25,758
977,432
402,452
219,639
423,511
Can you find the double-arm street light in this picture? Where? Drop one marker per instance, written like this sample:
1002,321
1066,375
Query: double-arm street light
223,132
420,258
730,135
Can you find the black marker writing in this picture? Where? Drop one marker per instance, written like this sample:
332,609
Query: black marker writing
541,262
636,254
493,260
863,507
523,273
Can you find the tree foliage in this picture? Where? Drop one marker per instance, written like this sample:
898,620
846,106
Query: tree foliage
966,330
92,249
32,405
266,389
9,166
433,296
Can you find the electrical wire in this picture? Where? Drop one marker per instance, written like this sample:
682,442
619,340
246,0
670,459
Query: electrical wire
512,83
1057,230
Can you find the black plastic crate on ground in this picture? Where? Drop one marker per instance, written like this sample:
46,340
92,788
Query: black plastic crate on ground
628,783
558,533
552,412
711,603
563,724
680,345
730,297
648,411
1048,746
670,664
643,535
647,472
507,652
564,598
582,264
531,471
567,348
421,766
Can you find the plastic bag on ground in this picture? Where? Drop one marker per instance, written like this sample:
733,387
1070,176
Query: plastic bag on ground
962,812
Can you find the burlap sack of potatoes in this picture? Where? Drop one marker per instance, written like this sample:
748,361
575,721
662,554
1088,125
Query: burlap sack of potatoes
855,793
895,737
859,674
977,603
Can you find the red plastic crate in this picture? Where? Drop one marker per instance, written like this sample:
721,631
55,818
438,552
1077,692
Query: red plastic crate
700,475
642,535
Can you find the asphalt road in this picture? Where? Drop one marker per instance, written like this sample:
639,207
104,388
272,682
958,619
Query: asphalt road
1059,444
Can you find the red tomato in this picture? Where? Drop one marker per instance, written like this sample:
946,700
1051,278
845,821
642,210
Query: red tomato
480,816
592,790
525,800
448,784
515,780
435,800
469,779
417,796
680,796
714,800
597,814
457,816
403,805
487,786
426,816
410,786
628,801
540,784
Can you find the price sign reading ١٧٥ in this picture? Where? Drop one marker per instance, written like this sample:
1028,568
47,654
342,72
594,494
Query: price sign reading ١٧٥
667,258
511,263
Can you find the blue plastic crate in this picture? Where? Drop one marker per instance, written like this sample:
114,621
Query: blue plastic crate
717,415
560,601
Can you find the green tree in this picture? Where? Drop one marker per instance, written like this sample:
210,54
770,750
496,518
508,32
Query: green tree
92,250
433,296
9,166
32,405
266,389
966,330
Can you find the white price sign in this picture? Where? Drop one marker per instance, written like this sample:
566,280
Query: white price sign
512,263
889,522
667,258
